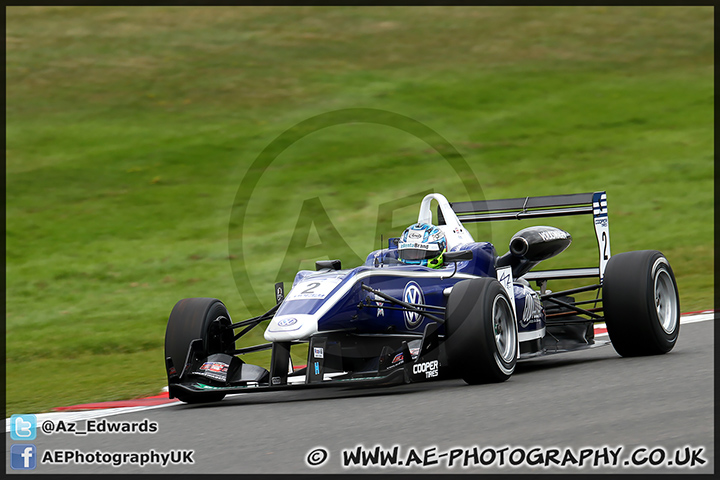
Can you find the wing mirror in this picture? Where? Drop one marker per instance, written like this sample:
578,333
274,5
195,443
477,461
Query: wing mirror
328,264
454,257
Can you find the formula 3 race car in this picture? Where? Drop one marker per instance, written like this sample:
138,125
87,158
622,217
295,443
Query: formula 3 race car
387,323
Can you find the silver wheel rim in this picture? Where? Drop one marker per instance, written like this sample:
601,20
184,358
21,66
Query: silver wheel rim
504,329
665,300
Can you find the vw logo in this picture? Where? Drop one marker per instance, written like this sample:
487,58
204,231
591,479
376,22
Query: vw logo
412,294
286,322
528,310
531,310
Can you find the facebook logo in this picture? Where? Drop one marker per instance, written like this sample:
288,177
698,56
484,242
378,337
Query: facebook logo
22,427
22,457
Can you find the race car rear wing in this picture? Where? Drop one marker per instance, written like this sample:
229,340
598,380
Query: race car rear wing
594,203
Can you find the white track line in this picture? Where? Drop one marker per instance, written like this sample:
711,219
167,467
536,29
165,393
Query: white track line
684,320
107,412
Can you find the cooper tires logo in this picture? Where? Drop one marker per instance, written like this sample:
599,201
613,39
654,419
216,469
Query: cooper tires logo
430,369
413,295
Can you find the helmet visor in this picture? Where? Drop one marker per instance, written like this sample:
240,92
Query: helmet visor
418,251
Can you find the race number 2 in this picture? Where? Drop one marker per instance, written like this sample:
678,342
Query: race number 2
313,289
602,229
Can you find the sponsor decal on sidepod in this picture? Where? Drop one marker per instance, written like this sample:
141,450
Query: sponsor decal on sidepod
413,294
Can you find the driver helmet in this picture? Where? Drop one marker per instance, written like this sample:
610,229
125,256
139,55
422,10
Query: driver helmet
422,244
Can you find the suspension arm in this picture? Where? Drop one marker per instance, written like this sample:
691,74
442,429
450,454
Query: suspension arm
407,306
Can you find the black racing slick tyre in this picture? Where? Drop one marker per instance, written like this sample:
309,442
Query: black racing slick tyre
198,318
641,303
481,331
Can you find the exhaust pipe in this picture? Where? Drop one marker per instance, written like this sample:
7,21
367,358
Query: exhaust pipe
519,246
532,245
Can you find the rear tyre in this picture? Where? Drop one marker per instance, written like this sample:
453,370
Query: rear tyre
481,331
641,303
194,318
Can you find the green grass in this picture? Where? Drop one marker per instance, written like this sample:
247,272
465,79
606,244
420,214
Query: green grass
129,131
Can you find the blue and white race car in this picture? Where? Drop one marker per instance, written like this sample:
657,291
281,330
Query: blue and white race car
435,304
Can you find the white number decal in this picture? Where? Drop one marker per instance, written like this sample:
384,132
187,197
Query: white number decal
312,290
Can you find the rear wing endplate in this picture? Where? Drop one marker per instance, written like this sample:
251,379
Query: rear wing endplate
594,203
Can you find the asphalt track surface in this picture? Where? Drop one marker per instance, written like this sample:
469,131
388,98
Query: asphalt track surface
589,399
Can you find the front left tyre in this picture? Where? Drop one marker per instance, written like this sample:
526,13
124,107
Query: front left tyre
481,331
